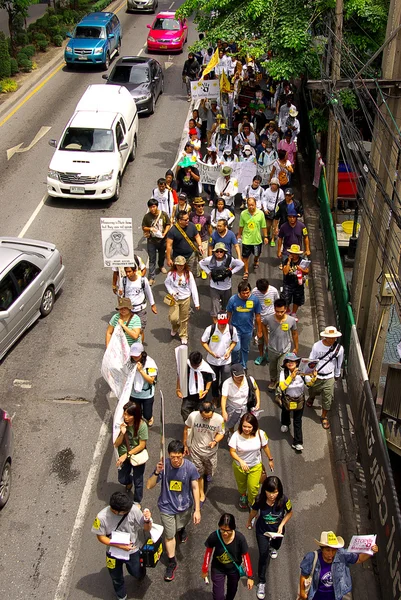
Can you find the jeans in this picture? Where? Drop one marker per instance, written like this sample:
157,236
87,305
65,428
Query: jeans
209,189
115,568
146,405
241,350
297,419
129,474
219,580
219,300
223,372
153,250
189,404
264,544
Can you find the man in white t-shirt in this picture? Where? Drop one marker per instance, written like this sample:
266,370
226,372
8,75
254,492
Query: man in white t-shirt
164,197
118,272
219,341
266,294
137,289
203,430
235,396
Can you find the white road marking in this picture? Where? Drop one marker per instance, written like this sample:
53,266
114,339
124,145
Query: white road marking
32,217
167,65
42,131
22,383
140,52
171,5
62,591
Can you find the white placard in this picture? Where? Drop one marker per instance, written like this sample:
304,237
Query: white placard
208,88
265,173
361,544
244,172
117,241
208,173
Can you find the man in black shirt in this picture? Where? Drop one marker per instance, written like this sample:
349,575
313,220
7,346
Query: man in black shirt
190,72
177,245
283,207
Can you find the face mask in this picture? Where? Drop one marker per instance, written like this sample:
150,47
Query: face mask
247,153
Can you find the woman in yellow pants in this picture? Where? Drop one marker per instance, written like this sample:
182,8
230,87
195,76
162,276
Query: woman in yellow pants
246,446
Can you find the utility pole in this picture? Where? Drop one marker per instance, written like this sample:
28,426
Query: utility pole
333,134
371,308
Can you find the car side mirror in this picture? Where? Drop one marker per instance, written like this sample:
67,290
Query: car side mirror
4,314
105,77
123,146
185,26
110,36
149,26
69,35
53,143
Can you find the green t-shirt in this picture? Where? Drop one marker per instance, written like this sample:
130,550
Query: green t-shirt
134,440
133,324
252,227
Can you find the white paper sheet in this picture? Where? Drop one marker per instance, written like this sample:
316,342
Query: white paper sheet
119,537
361,544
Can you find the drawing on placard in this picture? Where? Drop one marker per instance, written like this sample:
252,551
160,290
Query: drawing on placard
116,244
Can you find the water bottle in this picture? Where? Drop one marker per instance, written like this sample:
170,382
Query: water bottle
300,277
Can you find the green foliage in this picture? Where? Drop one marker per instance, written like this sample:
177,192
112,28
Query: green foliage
29,51
14,66
21,39
8,85
58,40
319,119
24,63
53,20
348,99
100,5
42,45
5,63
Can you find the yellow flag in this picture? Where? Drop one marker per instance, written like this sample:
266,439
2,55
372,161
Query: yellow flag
225,86
212,63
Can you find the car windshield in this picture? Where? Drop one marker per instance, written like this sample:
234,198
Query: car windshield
93,33
78,139
130,74
167,24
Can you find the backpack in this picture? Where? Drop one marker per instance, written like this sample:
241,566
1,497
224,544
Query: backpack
142,280
220,273
251,402
214,327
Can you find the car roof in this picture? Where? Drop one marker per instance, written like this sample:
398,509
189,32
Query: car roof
97,18
7,256
12,248
134,60
88,119
165,15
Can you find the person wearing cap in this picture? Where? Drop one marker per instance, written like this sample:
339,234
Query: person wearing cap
288,144
190,72
211,159
284,112
292,232
282,337
271,133
130,442
203,430
137,289
294,272
221,212
155,225
291,395
200,376
235,395
330,354
247,154
229,157
144,382
225,236
283,207
329,568
272,197
246,137
244,311
129,322
219,340
195,141
201,220
282,169
124,515
266,156
180,284
183,205
252,230
226,186
188,178
166,198
221,266
222,139
266,294
292,124
178,244
254,190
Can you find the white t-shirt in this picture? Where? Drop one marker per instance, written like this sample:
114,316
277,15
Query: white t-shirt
248,449
270,201
266,300
236,396
136,292
204,431
219,344
165,200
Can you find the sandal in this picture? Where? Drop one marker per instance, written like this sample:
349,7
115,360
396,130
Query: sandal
245,276
150,422
256,265
325,422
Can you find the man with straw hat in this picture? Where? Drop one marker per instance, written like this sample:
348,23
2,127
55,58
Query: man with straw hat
226,186
328,569
294,271
330,354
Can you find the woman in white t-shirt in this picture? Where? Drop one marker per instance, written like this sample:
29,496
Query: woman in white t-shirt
235,396
246,446
221,212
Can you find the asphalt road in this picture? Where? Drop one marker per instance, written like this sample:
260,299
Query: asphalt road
61,415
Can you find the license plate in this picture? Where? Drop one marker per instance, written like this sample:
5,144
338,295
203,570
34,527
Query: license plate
82,58
163,47
77,190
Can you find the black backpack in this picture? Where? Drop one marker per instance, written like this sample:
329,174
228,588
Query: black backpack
220,273
214,327
251,403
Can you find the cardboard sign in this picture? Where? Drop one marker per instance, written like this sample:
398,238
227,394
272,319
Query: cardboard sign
362,544
205,89
117,241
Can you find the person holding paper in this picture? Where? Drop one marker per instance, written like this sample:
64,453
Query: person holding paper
329,569
130,323
117,526
274,510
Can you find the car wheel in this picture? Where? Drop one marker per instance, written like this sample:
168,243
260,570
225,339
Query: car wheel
132,154
106,63
5,484
152,106
118,47
46,306
118,189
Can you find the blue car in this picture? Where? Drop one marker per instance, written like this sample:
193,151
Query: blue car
96,39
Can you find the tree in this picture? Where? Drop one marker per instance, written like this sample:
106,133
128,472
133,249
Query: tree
15,9
5,61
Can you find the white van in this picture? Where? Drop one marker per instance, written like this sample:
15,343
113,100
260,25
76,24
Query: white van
96,144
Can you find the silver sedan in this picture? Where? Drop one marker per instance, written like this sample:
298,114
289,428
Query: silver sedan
31,274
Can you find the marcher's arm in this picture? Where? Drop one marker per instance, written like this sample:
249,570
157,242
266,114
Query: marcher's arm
307,245
195,494
238,251
152,481
285,520
109,333
194,291
133,333
169,247
364,557
295,340
258,323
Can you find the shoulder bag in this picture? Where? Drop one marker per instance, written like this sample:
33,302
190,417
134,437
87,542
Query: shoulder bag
308,580
189,241
136,459
240,568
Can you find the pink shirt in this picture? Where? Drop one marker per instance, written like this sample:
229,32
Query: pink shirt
290,148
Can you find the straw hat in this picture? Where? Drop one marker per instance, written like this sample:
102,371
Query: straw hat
295,249
330,540
330,332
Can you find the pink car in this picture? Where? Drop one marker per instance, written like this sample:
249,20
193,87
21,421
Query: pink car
167,33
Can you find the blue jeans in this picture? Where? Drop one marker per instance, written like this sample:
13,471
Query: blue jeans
129,474
117,575
241,350
264,544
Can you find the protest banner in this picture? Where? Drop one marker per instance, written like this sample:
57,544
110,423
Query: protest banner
117,241
244,172
208,173
205,89
114,362
362,544
264,172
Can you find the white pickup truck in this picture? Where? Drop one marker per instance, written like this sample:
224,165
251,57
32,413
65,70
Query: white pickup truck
98,141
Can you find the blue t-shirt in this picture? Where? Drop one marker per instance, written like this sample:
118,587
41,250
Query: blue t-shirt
228,240
176,491
243,312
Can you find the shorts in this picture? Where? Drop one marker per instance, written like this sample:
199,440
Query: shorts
324,388
256,250
143,315
173,523
293,293
206,465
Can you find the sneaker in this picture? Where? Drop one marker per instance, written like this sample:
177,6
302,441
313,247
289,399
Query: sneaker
211,202
182,535
272,243
272,385
284,428
259,360
163,270
173,333
189,99
273,553
170,571
203,274
260,591
297,447
243,502
184,341
125,598
294,316
151,282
